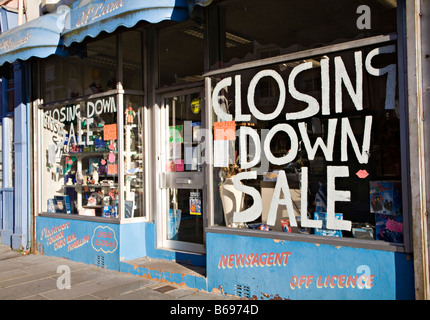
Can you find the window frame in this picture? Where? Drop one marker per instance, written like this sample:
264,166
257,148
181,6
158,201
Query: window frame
119,94
398,37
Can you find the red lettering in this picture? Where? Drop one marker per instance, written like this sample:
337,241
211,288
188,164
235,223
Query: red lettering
293,282
249,258
302,281
270,259
255,260
263,261
223,262
278,258
341,283
333,284
309,281
351,281
240,260
286,254
231,261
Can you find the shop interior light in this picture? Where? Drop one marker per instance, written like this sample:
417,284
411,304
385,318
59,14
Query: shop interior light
388,3
232,40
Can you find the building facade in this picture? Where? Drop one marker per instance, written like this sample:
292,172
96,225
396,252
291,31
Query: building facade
275,154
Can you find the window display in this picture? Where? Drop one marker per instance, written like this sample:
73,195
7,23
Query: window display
83,173
134,157
82,153
309,148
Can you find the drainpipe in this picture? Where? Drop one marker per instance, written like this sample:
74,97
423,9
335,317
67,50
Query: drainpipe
20,12
29,166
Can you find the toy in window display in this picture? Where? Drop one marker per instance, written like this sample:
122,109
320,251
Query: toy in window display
129,114
95,173
95,87
79,177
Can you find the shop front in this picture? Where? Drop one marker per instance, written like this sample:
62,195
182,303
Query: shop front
308,161
272,156
93,128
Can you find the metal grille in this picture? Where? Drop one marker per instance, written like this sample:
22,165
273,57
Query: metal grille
242,291
100,261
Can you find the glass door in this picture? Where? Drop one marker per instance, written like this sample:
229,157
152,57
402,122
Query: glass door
182,179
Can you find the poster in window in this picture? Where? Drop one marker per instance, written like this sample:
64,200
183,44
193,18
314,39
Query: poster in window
128,208
109,132
195,204
324,231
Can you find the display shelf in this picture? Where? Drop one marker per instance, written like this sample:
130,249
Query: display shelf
115,186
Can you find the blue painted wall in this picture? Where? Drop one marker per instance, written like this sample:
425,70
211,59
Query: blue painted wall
131,240
83,241
269,268
111,245
295,270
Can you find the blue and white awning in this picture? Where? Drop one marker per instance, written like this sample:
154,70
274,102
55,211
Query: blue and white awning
40,38
90,17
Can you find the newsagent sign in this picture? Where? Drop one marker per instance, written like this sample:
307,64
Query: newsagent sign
338,127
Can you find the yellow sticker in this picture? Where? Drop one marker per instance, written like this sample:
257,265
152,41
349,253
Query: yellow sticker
195,105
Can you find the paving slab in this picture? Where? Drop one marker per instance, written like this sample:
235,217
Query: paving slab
35,277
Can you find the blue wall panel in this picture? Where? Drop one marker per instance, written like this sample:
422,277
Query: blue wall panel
272,269
83,241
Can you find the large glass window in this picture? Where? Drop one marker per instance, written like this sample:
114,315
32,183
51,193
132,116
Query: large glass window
81,158
311,146
134,157
92,136
181,55
252,30
91,69
132,59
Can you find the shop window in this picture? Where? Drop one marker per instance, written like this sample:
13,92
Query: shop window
91,68
181,54
252,30
80,157
92,154
81,153
311,146
134,157
132,59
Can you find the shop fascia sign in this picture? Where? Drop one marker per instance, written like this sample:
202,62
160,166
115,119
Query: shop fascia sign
12,44
362,64
55,120
97,11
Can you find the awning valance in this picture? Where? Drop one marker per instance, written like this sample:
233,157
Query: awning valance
90,17
40,38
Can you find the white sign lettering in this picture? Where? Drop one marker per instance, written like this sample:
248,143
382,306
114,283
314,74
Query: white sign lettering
336,128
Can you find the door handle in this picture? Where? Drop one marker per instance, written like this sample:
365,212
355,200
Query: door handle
183,180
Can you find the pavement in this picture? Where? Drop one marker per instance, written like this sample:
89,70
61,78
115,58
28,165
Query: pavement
39,277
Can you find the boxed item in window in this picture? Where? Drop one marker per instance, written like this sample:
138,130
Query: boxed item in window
87,212
63,204
324,231
110,211
386,197
285,223
363,231
270,176
389,228
52,206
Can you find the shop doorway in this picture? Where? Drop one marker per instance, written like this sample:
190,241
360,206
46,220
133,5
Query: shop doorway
183,216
